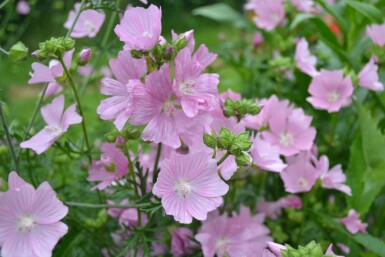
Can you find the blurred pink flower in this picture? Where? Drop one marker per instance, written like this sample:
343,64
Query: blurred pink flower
306,6
344,248
189,186
127,217
353,223
30,219
330,251
266,155
88,23
267,106
305,61
229,94
112,166
269,14
195,91
289,129
330,91
50,74
376,33
274,209
239,235
140,28
181,243
334,178
368,76
23,7
58,123
273,250
257,39
128,72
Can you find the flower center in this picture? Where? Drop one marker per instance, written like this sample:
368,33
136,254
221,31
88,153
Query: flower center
187,87
303,183
90,26
333,96
108,163
221,244
183,188
147,34
25,223
56,131
286,139
169,108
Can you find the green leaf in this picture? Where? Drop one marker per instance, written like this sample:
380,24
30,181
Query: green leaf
368,10
365,173
340,20
224,13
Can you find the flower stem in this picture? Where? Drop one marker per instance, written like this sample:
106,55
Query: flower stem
156,171
3,4
8,137
76,18
224,157
3,51
100,206
73,86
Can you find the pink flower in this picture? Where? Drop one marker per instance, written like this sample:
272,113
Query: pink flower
330,91
368,76
267,106
376,33
289,129
299,176
112,166
229,94
239,235
127,71
274,209
23,7
156,106
58,123
140,28
181,242
273,250
189,186
305,61
30,219
195,91
266,156
344,248
330,251
88,23
353,223
127,217
189,35
269,14
257,39
50,74
306,6
334,178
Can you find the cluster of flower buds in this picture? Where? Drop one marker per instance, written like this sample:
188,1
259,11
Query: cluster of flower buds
240,108
54,48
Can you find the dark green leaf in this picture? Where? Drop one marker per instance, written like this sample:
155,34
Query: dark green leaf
368,10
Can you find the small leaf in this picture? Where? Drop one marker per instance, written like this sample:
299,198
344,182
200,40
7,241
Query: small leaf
368,10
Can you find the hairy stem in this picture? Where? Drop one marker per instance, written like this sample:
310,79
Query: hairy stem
156,171
8,137
100,206
73,86
224,157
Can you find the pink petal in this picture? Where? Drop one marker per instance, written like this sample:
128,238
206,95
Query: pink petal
53,111
45,237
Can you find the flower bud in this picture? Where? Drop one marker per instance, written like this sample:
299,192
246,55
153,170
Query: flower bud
210,140
84,56
180,43
136,54
244,159
18,52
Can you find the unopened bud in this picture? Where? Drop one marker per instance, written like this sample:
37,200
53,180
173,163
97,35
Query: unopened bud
210,140
180,43
136,54
243,159
84,56
18,52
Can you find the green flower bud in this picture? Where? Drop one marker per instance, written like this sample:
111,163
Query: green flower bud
131,133
18,52
56,47
111,137
99,221
180,43
243,159
137,54
158,53
210,141
84,56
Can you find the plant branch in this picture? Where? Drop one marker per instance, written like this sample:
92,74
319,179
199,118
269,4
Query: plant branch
76,18
224,157
8,137
156,171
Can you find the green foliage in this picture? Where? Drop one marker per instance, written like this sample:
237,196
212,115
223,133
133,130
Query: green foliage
312,249
368,10
55,47
365,173
18,52
240,108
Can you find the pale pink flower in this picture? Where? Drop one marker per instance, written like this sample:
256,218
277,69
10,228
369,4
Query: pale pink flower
344,248
127,217
273,250
266,155
88,23
229,94
189,35
30,219
334,178
58,123
181,243
330,91
376,33
189,186
353,223
306,62
267,106
257,39
23,7
140,28
306,6
155,106
274,209
330,251
112,166
239,235
290,130
195,91
269,14
299,176
368,76
50,74
127,71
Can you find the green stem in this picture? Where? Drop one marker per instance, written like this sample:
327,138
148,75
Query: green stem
224,157
3,51
73,86
76,18
8,137
100,206
156,171
3,4
136,191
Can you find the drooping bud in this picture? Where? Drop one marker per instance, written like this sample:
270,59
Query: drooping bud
18,52
84,56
